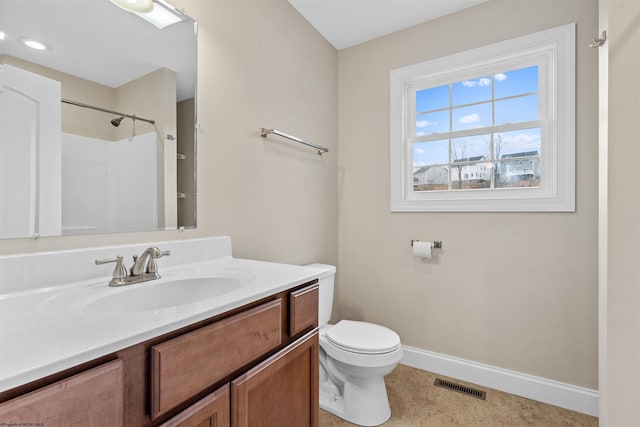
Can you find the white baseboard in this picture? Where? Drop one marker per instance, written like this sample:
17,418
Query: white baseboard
541,389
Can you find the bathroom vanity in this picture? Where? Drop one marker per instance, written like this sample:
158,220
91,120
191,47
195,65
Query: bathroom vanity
246,357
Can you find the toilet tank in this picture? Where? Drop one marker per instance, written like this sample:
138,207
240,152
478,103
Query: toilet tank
326,274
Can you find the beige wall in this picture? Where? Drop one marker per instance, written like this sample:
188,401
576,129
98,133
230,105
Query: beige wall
260,65
153,96
513,290
622,368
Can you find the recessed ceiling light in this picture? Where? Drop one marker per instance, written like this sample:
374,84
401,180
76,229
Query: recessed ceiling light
1,35
135,6
34,44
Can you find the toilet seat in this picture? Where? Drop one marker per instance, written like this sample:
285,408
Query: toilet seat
363,337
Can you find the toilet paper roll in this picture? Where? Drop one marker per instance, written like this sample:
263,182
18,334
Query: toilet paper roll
422,249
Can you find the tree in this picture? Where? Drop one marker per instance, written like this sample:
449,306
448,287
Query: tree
498,146
460,156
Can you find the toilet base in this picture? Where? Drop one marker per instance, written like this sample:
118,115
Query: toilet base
367,401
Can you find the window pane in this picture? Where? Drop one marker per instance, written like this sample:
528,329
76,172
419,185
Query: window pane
432,99
431,153
430,178
470,91
471,117
518,173
518,143
524,80
438,122
471,176
471,148
516,110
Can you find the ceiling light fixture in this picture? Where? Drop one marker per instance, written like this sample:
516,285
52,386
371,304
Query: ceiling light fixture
135,6
162,15
1,35
34,44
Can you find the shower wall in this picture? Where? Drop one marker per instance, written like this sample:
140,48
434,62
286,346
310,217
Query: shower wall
109,186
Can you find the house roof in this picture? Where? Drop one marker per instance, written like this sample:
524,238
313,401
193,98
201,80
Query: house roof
523,154
426,168
470,159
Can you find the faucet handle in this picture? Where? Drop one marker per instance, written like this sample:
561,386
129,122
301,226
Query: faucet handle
119,272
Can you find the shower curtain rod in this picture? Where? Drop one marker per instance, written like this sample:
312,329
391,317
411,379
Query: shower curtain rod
80,104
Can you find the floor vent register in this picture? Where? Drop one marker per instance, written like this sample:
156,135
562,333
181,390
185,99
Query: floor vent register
478,394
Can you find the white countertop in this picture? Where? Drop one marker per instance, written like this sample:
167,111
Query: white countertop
42,331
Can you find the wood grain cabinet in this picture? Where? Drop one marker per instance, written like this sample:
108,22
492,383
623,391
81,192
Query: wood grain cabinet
211,411
281,391
303,306
91,398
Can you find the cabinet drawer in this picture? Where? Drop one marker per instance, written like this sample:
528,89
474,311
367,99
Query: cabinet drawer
187,365
91,398
211,411
303,307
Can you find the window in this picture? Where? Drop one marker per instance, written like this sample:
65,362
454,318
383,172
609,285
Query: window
490,129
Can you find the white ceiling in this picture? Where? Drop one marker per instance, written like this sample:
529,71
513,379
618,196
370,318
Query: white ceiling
98,41
346,23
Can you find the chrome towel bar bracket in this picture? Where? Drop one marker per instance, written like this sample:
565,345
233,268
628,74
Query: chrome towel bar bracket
264,132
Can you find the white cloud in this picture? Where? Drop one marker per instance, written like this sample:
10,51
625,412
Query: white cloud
425,123
480,82
500,77
513,143
521,139
471,118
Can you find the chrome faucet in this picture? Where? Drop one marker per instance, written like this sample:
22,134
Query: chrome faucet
144,267
146,263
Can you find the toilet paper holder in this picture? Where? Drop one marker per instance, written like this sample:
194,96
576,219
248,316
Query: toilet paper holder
437,244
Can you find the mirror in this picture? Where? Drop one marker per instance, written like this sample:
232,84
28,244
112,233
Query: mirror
97,124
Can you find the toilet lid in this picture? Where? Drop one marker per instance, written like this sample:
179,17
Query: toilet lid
363,337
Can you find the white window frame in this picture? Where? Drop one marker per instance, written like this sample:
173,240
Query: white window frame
554,52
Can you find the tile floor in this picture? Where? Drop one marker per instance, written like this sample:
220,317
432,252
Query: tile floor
416,402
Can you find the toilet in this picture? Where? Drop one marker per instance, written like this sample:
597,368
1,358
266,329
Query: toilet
354,359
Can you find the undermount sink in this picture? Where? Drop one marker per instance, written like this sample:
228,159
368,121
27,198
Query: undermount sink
173,290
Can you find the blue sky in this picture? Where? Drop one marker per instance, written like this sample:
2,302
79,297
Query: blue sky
513,110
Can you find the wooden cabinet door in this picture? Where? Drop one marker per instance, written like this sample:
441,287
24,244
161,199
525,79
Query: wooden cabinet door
281,391
211,411
91,398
